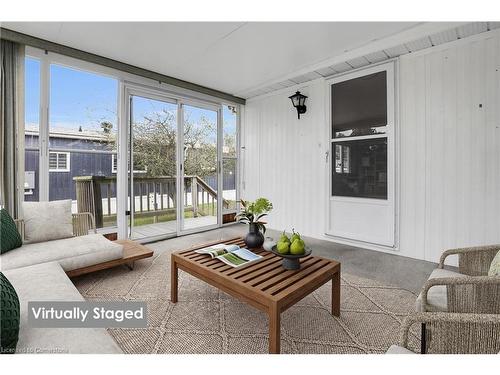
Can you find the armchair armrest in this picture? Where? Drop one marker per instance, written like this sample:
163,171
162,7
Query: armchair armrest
471,294
473,261
83,222
455,333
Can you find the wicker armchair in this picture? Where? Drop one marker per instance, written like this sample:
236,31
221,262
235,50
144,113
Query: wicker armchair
452,333
470,290
83,223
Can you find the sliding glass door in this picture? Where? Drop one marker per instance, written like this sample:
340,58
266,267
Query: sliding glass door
152,166
174,162
200,167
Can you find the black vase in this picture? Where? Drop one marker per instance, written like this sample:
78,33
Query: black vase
254,238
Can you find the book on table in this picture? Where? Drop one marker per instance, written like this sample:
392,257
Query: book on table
232,255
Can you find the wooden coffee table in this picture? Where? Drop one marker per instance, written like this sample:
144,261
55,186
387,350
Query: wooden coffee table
265,285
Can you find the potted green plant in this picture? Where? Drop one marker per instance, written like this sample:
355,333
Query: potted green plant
252,213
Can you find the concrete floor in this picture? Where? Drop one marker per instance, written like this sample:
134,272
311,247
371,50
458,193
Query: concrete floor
396,270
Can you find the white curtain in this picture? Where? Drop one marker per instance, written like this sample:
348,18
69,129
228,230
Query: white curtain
11,125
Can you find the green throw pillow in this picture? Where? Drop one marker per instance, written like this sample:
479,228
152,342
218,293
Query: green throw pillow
495,266
9,316
10,237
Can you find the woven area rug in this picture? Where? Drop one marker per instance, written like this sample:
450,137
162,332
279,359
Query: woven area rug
208,321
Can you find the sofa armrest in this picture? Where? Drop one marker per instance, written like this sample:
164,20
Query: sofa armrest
473,261
83,223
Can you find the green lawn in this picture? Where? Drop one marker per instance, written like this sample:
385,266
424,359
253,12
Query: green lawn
138,220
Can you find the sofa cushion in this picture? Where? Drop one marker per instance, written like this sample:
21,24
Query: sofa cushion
9,235
48,282
46,221
9,316
71,253
436,296
495,266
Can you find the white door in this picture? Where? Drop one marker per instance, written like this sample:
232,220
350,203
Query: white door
361,168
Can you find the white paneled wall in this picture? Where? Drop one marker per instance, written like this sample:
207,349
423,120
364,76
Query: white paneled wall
450,147
284,159
449,141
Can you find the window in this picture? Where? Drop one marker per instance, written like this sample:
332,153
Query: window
229,159
31,129
359,140
360,106
114,166
59,161
74,143
114,163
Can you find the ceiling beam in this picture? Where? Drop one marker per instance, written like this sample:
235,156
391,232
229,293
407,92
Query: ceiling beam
43,44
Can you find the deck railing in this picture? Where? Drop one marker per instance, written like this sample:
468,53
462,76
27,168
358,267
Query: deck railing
153,196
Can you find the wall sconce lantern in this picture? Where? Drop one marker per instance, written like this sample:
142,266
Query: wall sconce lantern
298,101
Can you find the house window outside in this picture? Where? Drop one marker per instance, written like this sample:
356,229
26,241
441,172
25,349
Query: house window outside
359,139
59,162
114,166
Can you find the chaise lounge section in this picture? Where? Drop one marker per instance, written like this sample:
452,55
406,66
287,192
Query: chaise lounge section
48,282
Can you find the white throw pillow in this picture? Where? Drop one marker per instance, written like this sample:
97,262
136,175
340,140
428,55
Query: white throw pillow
46,221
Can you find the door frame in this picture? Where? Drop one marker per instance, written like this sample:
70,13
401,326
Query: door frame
180,165
392,182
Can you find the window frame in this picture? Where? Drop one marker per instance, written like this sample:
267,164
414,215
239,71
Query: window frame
68,161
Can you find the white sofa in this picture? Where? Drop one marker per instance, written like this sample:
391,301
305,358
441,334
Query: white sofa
37,273
48,282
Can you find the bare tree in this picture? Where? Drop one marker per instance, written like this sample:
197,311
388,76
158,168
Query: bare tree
155,139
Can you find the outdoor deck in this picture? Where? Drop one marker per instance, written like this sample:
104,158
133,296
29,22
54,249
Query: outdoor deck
168,227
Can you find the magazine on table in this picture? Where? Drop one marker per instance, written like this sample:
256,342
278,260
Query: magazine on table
232,255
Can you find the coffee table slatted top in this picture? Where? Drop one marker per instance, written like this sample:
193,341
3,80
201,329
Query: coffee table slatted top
266,279
264,284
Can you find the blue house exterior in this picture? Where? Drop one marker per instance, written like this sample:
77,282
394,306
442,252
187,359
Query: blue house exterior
86,154
83,153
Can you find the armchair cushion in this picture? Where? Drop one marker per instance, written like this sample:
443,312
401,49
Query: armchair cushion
437,295
495,266
396,349
46,221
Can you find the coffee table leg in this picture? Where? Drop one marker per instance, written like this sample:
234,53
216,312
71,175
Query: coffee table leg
336,294
174,275
274,330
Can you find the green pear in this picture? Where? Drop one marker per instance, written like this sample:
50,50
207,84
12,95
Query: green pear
298,247
295,236
283,247
284,238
